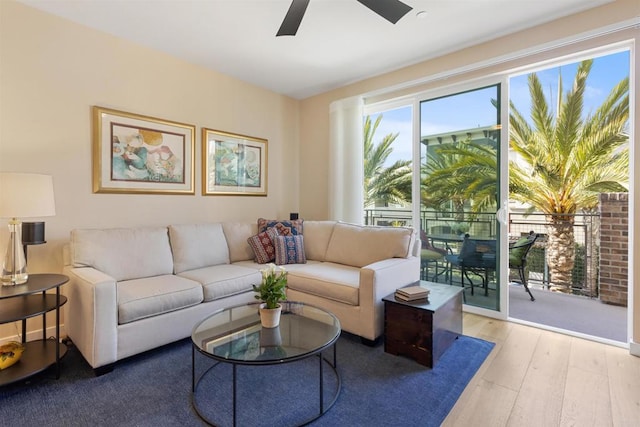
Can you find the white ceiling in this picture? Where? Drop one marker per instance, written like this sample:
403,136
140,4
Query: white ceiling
338,42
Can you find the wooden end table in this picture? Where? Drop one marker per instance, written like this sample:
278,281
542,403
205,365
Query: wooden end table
423,330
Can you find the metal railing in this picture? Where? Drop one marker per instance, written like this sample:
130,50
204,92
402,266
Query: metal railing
435,222
586,229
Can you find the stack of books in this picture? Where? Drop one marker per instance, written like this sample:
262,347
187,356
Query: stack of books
412,293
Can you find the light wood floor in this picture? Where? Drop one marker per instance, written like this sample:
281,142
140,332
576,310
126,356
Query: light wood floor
539,378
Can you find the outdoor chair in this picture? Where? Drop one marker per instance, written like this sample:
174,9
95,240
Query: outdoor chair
478,257
518,257
431,255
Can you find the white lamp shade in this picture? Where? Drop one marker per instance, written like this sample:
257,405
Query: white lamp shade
26,195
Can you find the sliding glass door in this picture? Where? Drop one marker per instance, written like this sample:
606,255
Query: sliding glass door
460,192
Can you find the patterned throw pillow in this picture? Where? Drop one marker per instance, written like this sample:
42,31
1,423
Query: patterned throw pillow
284,227
263,245
290,250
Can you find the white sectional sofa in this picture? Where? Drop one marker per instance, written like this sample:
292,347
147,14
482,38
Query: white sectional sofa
134,289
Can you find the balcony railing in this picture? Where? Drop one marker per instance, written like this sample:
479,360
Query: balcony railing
584,275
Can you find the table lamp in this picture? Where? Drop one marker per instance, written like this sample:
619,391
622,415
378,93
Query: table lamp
22,195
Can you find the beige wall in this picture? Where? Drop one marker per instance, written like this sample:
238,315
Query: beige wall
314,111
52,71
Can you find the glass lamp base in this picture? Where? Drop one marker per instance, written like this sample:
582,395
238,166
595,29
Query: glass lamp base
14,279
14,267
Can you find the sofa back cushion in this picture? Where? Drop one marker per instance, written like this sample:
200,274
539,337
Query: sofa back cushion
237,234
123,253
198,246
359,246
316,238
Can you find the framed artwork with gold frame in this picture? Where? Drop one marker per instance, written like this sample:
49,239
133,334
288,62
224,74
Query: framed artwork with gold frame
138,154
233,165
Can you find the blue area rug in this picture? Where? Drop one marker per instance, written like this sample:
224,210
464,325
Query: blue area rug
154,389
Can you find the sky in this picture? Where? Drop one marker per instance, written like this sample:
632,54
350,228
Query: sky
473,109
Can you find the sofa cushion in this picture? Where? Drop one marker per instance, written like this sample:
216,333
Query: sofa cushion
151,296
289,250
328,280
359,246
263,245
198,245
224,280
284,227
317,236
237,234
123,253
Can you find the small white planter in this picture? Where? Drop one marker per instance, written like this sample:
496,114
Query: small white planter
270,317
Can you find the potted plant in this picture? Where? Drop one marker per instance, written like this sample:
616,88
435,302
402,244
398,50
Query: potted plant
271,291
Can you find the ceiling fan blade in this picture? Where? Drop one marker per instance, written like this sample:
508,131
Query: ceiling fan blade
293,18
391,10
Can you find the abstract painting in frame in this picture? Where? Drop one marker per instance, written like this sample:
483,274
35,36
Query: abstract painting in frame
141,154
233,164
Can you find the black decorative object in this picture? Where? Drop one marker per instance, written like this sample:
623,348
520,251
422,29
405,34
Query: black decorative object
293,216
32,234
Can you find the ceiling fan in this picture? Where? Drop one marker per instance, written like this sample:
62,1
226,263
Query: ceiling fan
391,10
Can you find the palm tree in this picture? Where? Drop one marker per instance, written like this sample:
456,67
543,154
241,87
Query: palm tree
383,184
461,172
565,161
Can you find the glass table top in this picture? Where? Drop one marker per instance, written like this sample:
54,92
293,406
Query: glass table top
235,334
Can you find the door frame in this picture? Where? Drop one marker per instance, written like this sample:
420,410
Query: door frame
570,58
502,271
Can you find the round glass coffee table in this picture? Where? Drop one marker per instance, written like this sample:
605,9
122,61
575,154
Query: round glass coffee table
234,336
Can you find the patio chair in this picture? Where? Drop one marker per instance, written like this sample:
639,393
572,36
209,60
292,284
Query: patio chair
518,257
478,257
431,254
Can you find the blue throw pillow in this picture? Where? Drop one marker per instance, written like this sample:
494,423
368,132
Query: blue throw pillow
290,250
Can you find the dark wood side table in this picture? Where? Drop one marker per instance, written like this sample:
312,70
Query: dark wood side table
423,330
21,302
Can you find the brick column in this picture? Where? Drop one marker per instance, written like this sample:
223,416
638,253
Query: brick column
614,246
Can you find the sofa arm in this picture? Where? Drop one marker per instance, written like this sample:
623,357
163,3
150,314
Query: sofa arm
378,280
91,314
